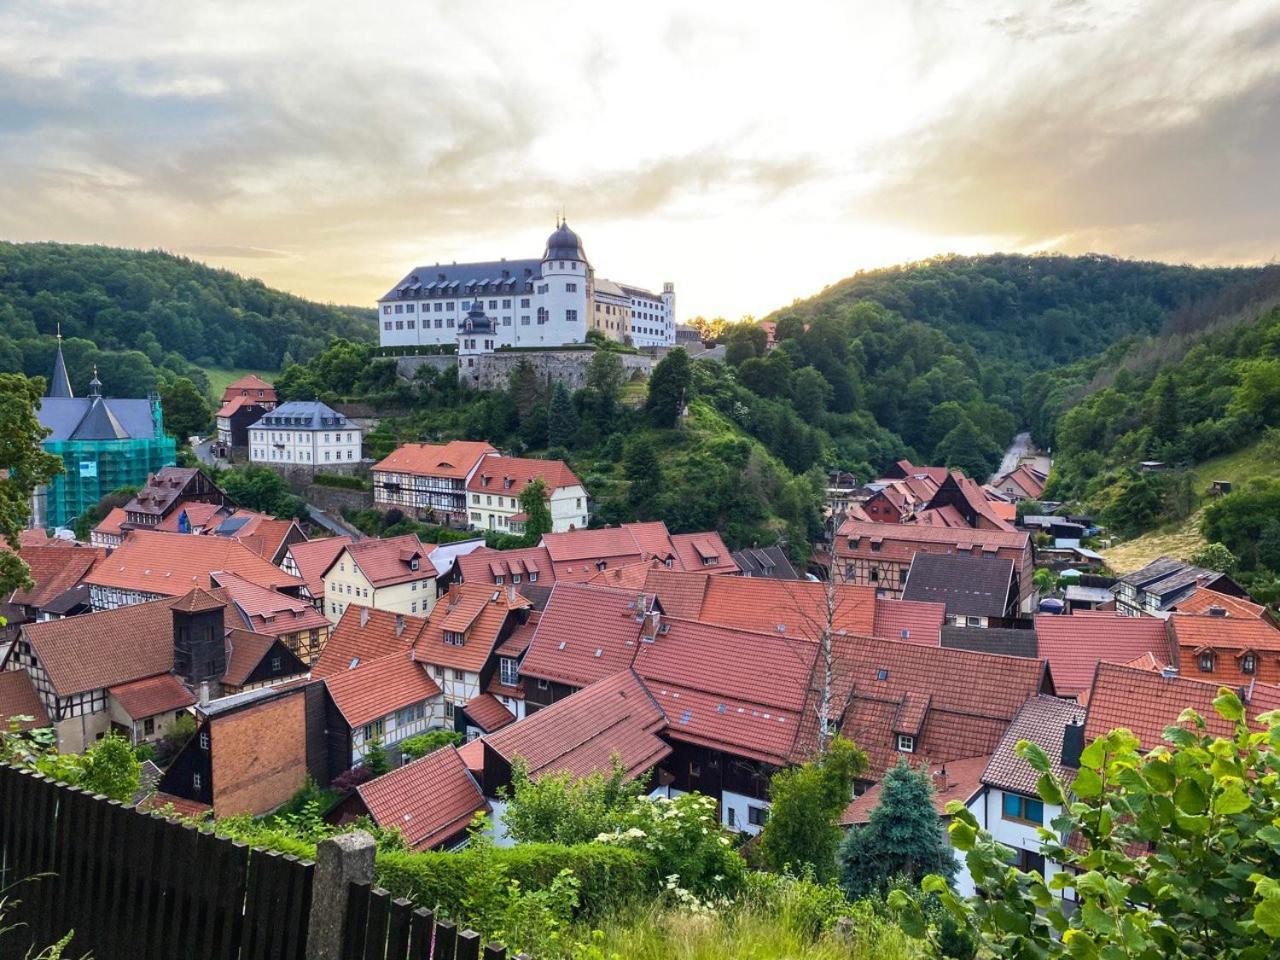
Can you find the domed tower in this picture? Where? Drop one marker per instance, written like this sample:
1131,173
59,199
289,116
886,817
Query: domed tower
564,291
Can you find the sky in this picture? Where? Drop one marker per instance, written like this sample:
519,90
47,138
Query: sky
750,153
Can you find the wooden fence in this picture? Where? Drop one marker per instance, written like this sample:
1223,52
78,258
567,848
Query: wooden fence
134,886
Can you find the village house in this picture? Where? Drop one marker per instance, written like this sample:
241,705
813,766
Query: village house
18,698
1074,645
429,481
1024,482
494,488
305,433
243,403
879,555
394,574
960,496
57,570
525,567
308,560
164,491
579,554
770,563
256,660
1226,649
1165,582
976,591
292,620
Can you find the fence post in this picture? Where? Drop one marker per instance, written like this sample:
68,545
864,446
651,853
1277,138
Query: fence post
340,861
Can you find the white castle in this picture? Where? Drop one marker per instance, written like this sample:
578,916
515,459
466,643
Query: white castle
523,303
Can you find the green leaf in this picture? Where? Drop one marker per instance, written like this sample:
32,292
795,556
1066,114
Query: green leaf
1228,705
1189,797
1049,790
1231,800
1093,755
1034,754
1087,783
1267,916
1097,919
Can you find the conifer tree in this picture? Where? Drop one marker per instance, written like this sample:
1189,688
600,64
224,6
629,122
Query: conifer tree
562,418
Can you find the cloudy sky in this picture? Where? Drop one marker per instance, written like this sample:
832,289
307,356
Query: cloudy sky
749,152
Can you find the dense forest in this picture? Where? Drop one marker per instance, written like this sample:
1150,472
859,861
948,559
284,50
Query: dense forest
145,316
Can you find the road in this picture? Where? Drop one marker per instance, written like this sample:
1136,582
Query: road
1021,446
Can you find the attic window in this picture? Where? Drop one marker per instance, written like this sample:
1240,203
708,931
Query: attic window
413,563
355,662
664,629
560,645
498,580
906,743
1206,661
882,674
453,638
1249,663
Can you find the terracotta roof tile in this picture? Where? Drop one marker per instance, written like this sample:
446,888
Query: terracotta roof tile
196,600
912,621
680,594
55,570
798,606
582,733
199,514
163,693
455,459
251,382
365,634
313,558
1203,598
488,713
898,540
472,754
510,475
270,611
1042,720
1074,645
245,650
429,800
380,687
1193,631
585,634
110,524
518,642
18,698
387,562
955,780
703,551
170,564
632,576
470,609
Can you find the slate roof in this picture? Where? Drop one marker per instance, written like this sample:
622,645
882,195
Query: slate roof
304,415
55,570
479,612
765,562
59,382
1171,580
509,476
454,459
162,490
585,634
170,564
429,800
379,687
968,586
1146,702
1002,641
163,693
313,558
365,634
95,418
488,713
909,620
18,698
582,733
1042,720
425,281
1074,645
955,780
385,562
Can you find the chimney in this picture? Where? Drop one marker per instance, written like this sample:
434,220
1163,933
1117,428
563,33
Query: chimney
940,780
399,624
511,593
455,592
1072,744
364,617
652,621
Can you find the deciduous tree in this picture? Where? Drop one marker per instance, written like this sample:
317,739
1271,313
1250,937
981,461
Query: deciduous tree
668,389
534,504
24,465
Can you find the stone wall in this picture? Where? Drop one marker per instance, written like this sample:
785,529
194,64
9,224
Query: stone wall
408,366
332,499
492,371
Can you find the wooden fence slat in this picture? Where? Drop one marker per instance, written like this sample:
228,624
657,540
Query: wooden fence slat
398,929
353,934
446,940
139,886
162,903
422,927
468,945
185,890
375,938
45,913
76,807
100,841
228,866
297,908
495,951
120,819
262,908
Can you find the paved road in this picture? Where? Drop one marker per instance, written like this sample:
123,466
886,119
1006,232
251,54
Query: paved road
204,453
335,525
1020,447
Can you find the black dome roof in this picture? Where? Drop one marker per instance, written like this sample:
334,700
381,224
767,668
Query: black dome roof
564,244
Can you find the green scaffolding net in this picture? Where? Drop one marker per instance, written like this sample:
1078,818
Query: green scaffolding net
93,468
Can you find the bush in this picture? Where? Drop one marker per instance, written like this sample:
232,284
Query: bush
801,903
415,747
610,877
344,481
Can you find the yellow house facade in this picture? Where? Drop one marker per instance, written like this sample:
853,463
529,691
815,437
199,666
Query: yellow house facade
395,574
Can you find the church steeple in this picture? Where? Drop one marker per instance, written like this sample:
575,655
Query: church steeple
59,383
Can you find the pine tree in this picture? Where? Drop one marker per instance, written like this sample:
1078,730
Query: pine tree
640,464
562,418
904,837
376,759
1269,545
1167,421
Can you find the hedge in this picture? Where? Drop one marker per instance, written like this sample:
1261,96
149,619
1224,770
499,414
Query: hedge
341,480
610,876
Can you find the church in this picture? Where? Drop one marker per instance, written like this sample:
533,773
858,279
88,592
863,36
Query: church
481,307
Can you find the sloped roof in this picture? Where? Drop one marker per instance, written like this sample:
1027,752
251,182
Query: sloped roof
954,780
585,634
385,562
484,565
198,515
1032,481
453,280
64,417
365,634
680,594
703,551
18,698
429,800
454,459
1002,641
163,693
488,713
304,415
249,382
898,539
170,564
270,611
1192,631
632,576
313,558
246,650
479,612
110,524
770,562
732,690
509,476
163,488
582,733
912,621
966,585
1202,599
1145,702
55,570
59,382
1074,645
1042,720
380,687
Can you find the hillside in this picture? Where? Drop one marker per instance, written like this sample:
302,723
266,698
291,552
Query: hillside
141,315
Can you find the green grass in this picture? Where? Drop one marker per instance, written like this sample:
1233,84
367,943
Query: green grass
220,379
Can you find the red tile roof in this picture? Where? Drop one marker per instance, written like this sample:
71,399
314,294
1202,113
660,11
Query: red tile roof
270,611
943,516
913,621
245,650
485,565
380,687
510,475
387,562
956,780
680,594
365,634
1147,702
55,570
1029,480
199,514
880,686
585,634
898,539
518,642
732,690
1074,645
110,524
1194,631
582,733
476,610
18,698
454,459
1203,598
163,693
577,554
633,576
229,407
909,469
488,713
429,800
703,551
472,754
97,650
170,564
250,382
313,558
1042,720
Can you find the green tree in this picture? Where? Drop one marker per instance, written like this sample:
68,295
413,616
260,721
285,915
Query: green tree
969,449
739,347
375,758
606,375
23,466
904,837
186,411
1167,419
415,747
109,767
811,394
1215,556
668,389
561,808
1171,853
1269,545
643,472
562,417
261,488
534,503
1046,581
805,802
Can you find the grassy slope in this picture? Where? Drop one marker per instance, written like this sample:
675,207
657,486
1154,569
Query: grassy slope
219,379
1183,539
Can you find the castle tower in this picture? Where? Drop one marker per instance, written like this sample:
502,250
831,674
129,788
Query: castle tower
566,274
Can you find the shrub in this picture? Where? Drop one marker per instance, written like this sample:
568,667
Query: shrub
415,747
344,481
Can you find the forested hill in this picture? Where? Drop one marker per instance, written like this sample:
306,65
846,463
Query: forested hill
1036,311
139,315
